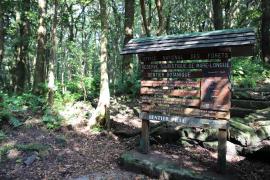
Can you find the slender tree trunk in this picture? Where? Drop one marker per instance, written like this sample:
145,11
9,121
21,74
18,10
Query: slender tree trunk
23,48
145,22
265,31
129,26
2,47
101,114
161,19
52,60
40,69
168,18
217,14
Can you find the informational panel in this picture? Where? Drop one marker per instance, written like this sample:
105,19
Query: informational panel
188,84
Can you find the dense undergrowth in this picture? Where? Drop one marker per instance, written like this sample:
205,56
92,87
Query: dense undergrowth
250,73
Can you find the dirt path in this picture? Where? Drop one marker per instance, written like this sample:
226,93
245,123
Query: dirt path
77,153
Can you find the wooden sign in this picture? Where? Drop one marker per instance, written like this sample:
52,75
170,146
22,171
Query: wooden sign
161,100
187,121
203,65
168,83
178,110
197,89
215,93
185,75
171,92
222,72
186,56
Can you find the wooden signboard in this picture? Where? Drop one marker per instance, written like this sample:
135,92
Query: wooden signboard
198,89
195,94
186,79
188,55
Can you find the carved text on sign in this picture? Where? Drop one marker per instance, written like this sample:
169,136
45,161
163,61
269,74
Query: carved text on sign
191,56
207,65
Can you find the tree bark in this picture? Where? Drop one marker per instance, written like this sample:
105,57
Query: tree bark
145,22
101,113
51,74
217,14
20,71
40,69
161,19
265,31
129,26
2,39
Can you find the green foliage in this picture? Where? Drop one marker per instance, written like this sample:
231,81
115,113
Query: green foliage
83,85
4,150
32,147
12,105
2,136
40,148
97,128
51,119
14,122
249,72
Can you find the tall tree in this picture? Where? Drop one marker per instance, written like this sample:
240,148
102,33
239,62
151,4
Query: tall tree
265,30
2,40
22,47
101,114
40,71
217,14
51,74
161,19
129,27
146,23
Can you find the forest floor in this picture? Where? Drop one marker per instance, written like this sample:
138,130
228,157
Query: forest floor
34,152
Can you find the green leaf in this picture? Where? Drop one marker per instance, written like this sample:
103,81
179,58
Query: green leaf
15,122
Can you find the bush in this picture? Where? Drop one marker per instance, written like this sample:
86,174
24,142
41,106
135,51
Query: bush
51,119
12,105
249,72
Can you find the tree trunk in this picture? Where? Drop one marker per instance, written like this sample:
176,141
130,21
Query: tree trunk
52,60
145,22
161,20
265,31
129,26
101,114
20,71
2,47
40,72
217,14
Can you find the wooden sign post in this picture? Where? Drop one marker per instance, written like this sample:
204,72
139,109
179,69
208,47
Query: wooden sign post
193,93
186,79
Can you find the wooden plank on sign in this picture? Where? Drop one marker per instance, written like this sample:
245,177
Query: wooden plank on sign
185,56
215,93
178,110
187,121
191,46
186,74
171,92
182,101
151,83
202,65
189,43
216,72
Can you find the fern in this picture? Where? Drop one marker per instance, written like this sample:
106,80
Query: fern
14,122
